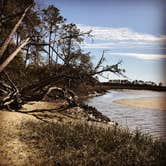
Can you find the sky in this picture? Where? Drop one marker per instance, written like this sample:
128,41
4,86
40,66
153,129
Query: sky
129,30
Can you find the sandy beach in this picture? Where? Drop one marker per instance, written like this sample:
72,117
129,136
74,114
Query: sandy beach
157,103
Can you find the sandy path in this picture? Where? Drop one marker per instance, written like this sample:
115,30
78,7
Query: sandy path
13,136
156,103
18,146
13,151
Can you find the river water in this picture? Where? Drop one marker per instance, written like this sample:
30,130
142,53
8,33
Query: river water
149,121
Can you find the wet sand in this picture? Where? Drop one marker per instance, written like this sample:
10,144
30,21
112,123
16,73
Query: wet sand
156,103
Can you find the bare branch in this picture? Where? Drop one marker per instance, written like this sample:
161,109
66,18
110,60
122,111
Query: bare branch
113,69
100,62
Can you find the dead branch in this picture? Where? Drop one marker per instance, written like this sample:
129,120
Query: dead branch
100,62
66,94
10,96
113,69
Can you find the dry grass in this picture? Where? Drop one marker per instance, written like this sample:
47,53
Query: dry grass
73,144
66,141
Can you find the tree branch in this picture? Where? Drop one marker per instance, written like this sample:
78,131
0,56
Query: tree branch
113,69
100,62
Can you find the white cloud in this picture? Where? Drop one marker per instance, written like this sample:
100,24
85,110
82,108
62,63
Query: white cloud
141,56
121,45
106,37
120,34
98,45
124,38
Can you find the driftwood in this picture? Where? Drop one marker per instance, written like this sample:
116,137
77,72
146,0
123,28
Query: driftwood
37,90
10,96
12,99
68,95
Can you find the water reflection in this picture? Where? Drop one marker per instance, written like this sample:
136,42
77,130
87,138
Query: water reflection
147,120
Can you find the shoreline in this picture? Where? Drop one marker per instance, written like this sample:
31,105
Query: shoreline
155,103
34,133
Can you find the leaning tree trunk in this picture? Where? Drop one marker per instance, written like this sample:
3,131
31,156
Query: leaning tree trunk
9,94
11,56
9,38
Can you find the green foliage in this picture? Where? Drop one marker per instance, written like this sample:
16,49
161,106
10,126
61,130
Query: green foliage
69,45
52,18
54,47
83,144
11,10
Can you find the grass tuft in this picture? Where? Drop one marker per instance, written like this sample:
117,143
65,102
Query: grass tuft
88,145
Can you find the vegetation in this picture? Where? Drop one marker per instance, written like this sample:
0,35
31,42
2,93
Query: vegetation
40,51
53,46
140,85
83,144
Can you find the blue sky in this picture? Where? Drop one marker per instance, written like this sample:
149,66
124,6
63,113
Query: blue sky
130,30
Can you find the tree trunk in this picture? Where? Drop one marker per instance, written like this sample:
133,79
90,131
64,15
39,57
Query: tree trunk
11,56
49,49
7,41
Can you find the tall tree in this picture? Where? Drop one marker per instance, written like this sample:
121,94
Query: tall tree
52,21
13,96
10,12
69,44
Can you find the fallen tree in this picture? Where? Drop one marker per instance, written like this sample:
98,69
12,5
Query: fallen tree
76,67
10,96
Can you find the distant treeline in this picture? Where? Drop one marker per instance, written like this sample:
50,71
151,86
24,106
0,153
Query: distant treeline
134,86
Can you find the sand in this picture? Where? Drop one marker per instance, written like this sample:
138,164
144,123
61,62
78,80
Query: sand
156,103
